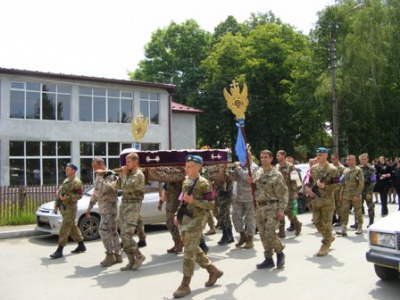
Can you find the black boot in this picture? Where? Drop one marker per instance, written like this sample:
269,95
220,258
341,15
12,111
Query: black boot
354,226
280,262
142,243
371,221
266,264
81,248
58,253
224,238
229,236
338,223
291,227
203,245
334,219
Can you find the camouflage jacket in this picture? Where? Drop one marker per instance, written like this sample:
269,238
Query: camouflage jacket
132,186
72,188
105,193
243,188
331,179
286,169
352,183
270,185
369,178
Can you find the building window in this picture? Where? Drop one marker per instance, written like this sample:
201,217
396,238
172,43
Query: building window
38,163
105,105
149,106
40,101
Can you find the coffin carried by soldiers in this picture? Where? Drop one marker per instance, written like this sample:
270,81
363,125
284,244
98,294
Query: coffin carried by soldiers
167,165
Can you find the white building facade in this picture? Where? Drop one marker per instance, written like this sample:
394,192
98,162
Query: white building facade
47,120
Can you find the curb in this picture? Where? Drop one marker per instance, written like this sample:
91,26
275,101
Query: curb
20,233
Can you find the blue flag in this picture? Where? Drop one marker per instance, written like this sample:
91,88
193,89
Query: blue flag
240,147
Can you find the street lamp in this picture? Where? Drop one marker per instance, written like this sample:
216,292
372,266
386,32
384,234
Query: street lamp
335,100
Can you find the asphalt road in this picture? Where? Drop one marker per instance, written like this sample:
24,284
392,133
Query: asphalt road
27,272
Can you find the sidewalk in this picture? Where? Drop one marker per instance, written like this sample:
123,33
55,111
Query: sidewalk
7,232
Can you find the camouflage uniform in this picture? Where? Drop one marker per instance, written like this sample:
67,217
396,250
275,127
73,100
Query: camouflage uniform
324,206
352,185
72,188
105,194
243,207
225,194
192,228
140,229
174,189
338,204
369,184
129,212
271,197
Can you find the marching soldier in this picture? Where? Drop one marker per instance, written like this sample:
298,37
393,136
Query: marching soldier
271,197
69,194
337,221
197,197
369,184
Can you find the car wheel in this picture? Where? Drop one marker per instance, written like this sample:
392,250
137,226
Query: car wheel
89,227
385,273
302,204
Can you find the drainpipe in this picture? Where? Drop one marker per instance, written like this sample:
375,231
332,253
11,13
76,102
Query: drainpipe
170,122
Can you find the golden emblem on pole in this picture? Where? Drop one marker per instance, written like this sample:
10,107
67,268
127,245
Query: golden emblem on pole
237,101
139,127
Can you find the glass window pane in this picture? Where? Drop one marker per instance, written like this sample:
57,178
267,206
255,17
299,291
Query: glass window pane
144,95
61,169
49,171
33,86
18,85
49,88
126,111
113,149
153,96
85,108
86,170
144,108
85,91
64,148
17,104
63,107
48,106
100,149
113,163
32,105
33,173
32,148
113,93
17,176
150,146
154,112
113,110
65,89
99,109
126,95
49,148
16,148
86,149
126,145
99,92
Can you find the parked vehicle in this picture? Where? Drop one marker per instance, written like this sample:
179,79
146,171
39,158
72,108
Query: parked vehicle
384,247
48,220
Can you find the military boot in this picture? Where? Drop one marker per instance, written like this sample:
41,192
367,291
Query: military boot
81,248
203,245
323,250
118,258
266,264
249,242
229,236
184,289
338,223
214,274
142,243
297,226
172,249
58,253
109,260
342,232
371,221
224,238
354,226
281,232
139,259
280,262
242,239
131,261
291,227
179,245
359,229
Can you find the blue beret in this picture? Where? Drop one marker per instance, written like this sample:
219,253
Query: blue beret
194,158
71,165
322,150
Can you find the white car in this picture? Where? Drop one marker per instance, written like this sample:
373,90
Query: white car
384,247
48,220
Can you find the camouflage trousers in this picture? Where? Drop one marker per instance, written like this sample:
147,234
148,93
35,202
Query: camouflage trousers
267,220
370,205
322,217
129,214
140,229
338,204
192,253
69,228
224,213
210,219
170,210
109,234
346,205
243,217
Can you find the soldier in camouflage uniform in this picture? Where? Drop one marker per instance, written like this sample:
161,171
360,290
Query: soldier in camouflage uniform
105,194
225,195
324,179
170,195
141,233
352,185
243,207
197,196
132,184
337,220
369,184
271,197
69,194
290,175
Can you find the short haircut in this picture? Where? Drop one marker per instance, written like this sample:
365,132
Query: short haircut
132,156
283,152
351,156
363,155
334,155
267,152
98,161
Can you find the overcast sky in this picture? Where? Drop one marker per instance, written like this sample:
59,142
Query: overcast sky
107,38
